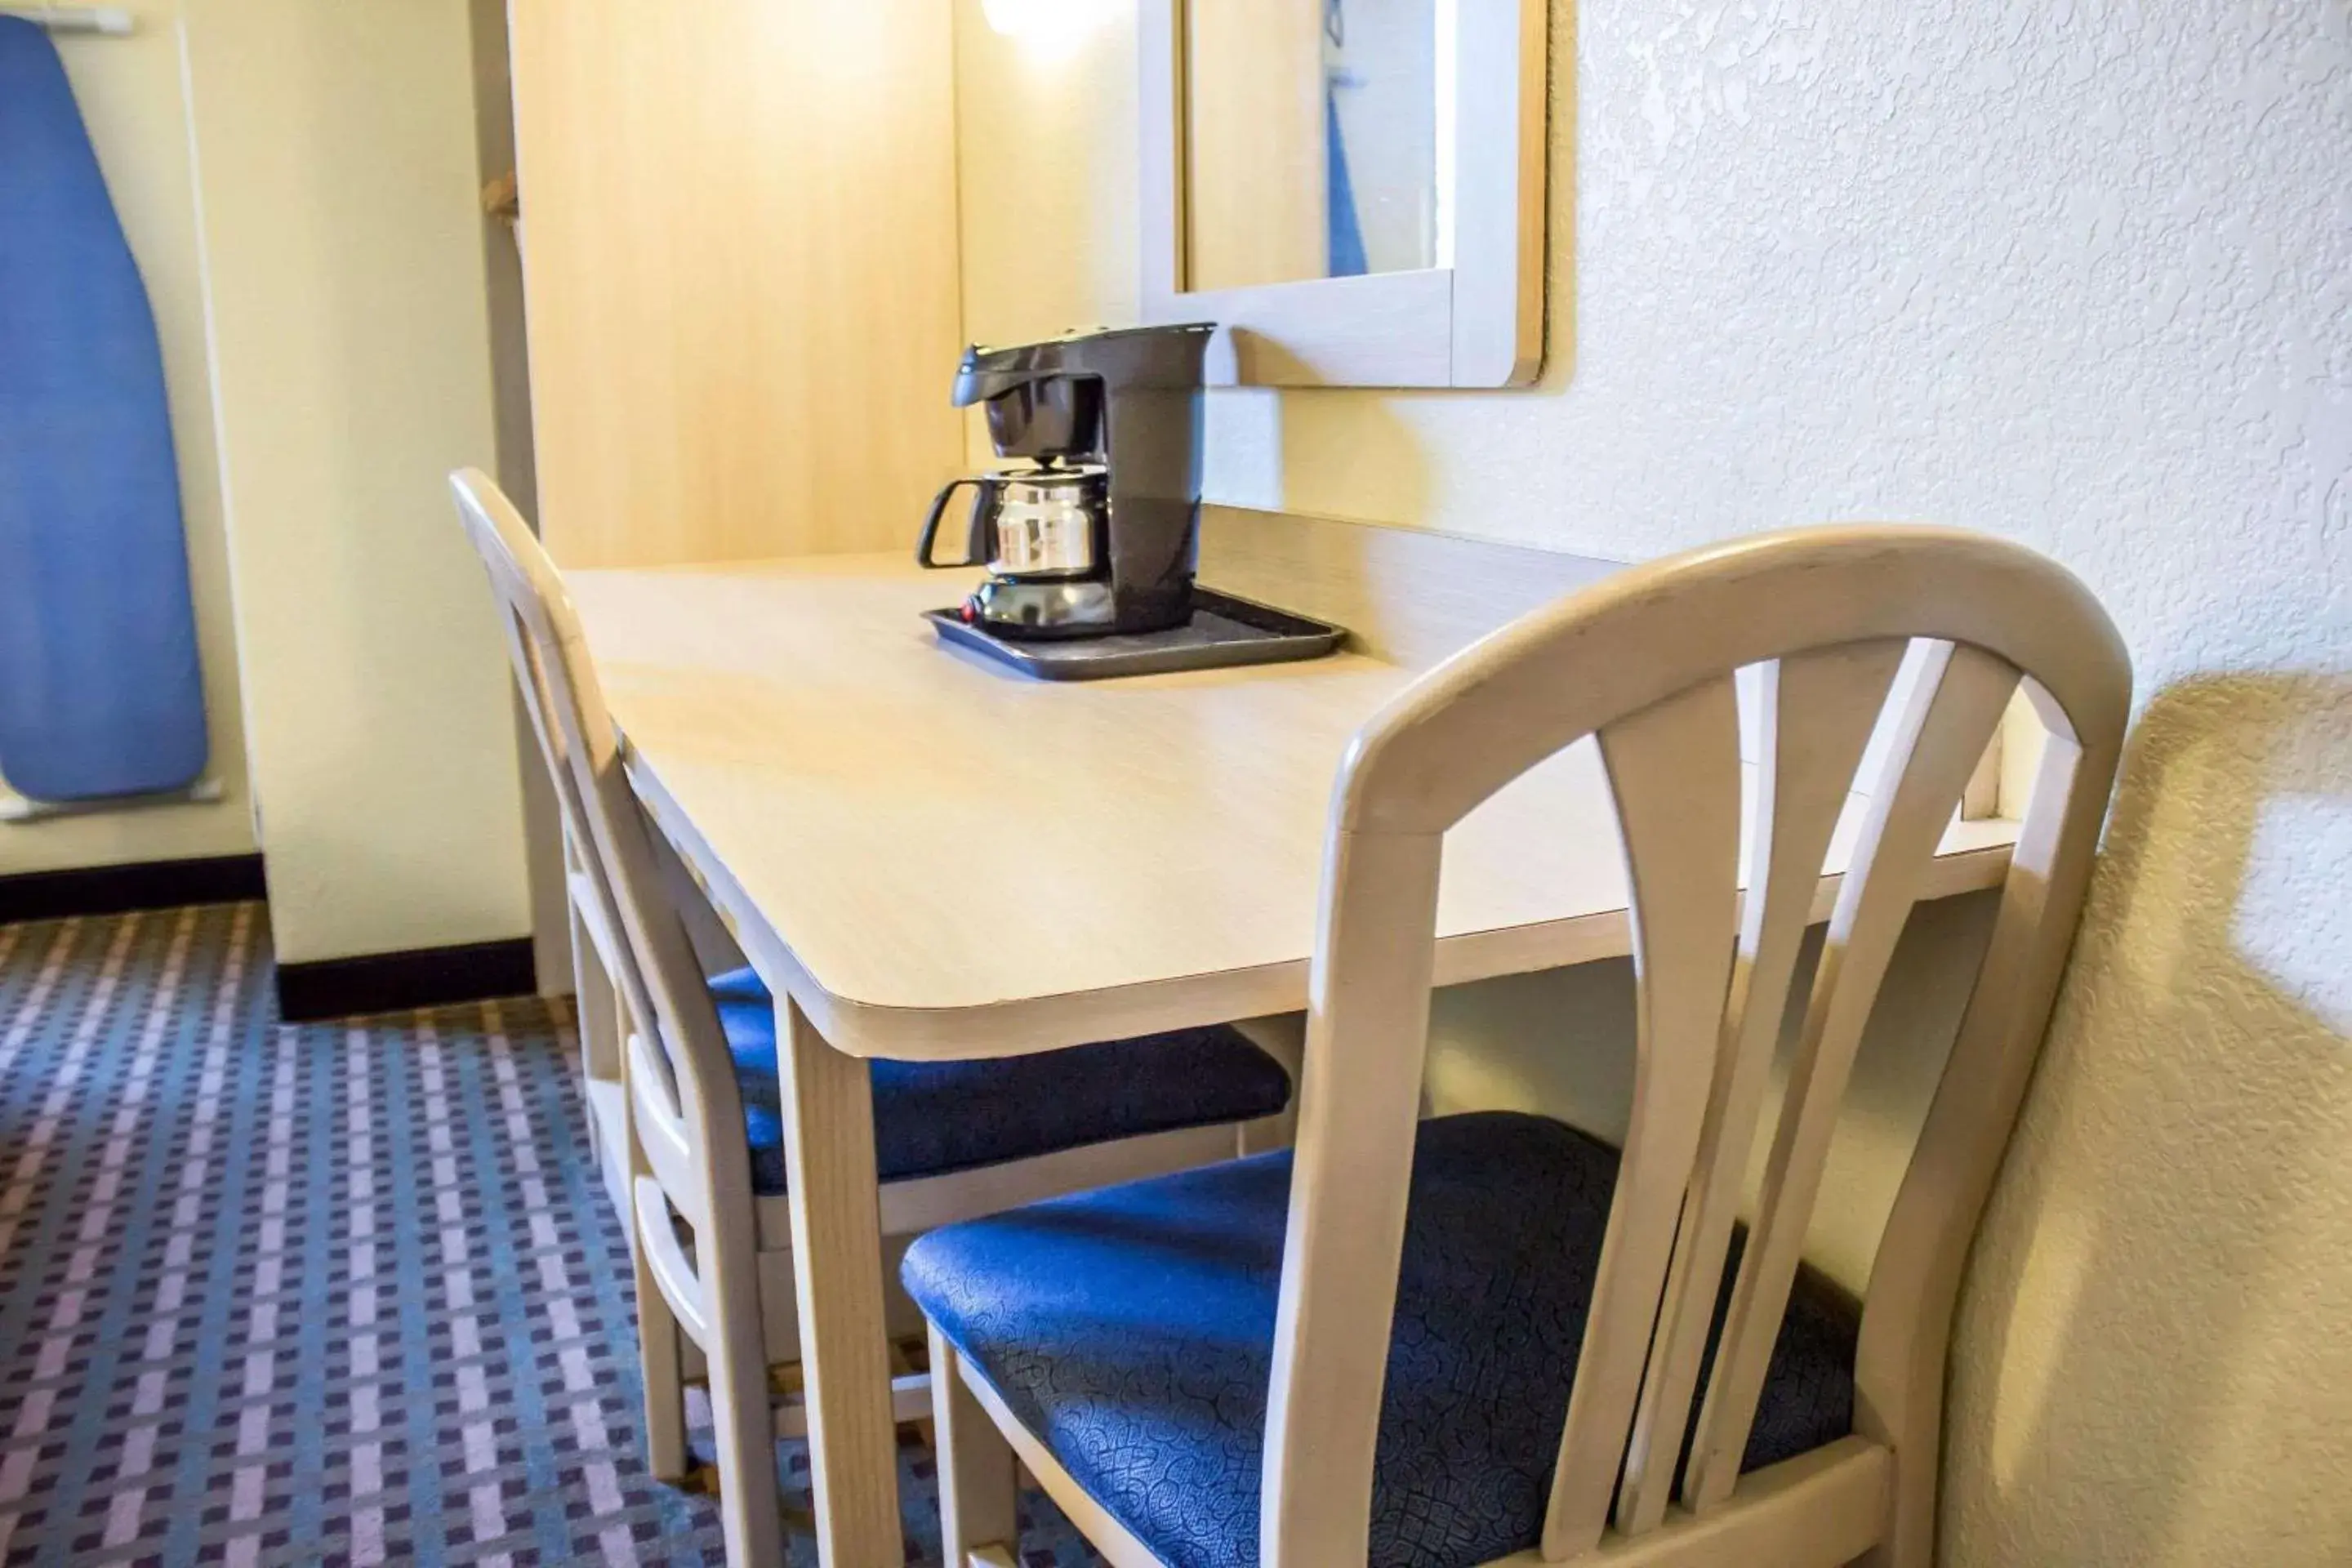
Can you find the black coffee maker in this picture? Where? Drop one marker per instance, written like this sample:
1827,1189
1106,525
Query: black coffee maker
1101,535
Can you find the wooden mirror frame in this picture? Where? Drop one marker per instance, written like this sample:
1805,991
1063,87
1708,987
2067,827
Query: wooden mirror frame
1478,322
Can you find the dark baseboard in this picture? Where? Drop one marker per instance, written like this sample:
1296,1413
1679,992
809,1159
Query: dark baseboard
397,982
118,890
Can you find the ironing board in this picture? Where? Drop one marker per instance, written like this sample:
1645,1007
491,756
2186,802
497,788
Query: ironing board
101,693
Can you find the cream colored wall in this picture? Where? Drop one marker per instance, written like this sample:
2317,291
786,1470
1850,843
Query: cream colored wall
132,99
2080,276
334,144
1046,171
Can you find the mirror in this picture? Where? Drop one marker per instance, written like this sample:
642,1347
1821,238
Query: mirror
1351,190
1317,138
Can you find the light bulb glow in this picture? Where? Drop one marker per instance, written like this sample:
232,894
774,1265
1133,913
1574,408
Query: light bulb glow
1035,18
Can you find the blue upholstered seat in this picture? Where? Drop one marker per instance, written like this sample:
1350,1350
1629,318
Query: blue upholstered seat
1131,1331
933,1118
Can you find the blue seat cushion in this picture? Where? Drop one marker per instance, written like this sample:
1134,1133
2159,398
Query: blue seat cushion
934,1118
1131,1331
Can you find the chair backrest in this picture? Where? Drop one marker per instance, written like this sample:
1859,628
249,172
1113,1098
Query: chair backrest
1645,662
660,978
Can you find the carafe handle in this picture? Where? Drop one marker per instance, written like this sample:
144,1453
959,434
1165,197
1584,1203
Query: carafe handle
976,551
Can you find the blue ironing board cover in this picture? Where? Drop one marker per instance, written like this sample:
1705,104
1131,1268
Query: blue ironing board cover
101,693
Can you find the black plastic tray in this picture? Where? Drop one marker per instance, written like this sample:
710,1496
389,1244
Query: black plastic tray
1224,630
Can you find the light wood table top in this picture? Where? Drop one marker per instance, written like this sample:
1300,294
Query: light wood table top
935,857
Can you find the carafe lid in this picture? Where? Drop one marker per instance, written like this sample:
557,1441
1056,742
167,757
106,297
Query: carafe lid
1052,474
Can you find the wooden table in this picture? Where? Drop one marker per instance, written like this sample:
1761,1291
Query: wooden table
926,857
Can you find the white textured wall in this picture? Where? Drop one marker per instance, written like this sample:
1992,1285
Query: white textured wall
334,143
2077,273
130,98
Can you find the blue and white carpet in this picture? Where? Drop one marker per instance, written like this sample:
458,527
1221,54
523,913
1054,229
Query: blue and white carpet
331,1293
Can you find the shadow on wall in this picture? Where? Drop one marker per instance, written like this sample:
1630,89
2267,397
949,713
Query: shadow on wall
1365,461
2153,1365
1385,466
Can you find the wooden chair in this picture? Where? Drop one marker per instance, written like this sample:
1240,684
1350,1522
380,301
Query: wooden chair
709,1222
1487,1338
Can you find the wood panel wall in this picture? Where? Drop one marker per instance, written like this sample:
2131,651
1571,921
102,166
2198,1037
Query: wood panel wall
739,254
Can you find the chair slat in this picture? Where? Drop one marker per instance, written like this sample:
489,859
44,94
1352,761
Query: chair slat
672,1272
1673,768
1898,1376
1816,712
1950,715
1360,1098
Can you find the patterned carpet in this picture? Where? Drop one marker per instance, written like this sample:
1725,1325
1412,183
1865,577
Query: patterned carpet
336,1293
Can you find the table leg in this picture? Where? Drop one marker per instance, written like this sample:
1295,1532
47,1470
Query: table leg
837,1272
